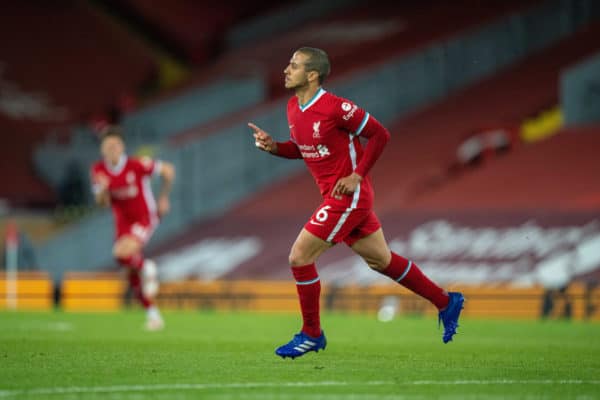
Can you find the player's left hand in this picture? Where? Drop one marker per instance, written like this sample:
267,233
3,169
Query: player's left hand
347,185
164,206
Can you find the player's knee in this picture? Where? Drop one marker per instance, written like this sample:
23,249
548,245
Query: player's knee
125,248
377,266
378,263
294,259
297,258
117,253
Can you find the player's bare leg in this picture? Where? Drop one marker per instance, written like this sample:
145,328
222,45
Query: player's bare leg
305,251
143,277
374,250
376,253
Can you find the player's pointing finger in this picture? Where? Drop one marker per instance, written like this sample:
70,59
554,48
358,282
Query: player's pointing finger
254,127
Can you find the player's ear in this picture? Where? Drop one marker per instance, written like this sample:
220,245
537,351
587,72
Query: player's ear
313,76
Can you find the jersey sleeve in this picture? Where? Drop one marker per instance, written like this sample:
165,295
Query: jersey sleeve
147,166
349,116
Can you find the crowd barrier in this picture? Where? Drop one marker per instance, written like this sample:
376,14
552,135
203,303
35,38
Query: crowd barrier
29,291
83,291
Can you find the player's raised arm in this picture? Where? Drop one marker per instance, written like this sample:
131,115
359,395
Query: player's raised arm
167,174
265,142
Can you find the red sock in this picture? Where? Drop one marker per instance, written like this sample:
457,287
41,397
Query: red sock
135,261
136,286
409,275
309,291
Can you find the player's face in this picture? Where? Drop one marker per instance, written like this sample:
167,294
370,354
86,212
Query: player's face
112,149
295,74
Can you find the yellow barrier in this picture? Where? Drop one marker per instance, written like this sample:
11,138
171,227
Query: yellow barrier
33,291
92,291
482,301
106,292
230,295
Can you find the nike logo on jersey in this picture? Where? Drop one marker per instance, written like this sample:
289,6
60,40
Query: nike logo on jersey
315,223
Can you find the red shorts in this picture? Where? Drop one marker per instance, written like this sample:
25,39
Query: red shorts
335,223
141,231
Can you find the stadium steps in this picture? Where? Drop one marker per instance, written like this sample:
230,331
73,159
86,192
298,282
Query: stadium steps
425,140
364,35
190,30
64,60
559,173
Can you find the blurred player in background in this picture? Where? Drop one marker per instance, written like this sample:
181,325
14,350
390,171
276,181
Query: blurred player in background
123,183
325,131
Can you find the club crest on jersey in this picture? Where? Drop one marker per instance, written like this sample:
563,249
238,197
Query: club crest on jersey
316,133
130,177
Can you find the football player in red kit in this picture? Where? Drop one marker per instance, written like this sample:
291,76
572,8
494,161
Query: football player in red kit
123,183
325,131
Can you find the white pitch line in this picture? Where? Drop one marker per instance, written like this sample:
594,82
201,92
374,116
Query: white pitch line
176,386
205,386
509,382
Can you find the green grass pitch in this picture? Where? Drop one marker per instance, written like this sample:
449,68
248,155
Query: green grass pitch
205,355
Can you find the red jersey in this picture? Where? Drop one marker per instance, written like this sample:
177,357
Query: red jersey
131,196
326,130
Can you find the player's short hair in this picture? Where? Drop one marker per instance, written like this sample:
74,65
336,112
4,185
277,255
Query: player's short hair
111,131
317,61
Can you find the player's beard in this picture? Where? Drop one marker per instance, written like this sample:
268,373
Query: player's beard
298,87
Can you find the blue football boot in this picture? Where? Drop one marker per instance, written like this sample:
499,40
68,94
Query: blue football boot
302,344
449,316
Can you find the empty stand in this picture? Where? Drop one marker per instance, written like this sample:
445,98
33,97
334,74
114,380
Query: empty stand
190,29
425,142
362,35
557,174
60,62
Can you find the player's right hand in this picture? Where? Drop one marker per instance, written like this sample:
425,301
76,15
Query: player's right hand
101,181
262,139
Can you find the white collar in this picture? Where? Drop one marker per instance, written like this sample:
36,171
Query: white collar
312,101
117,168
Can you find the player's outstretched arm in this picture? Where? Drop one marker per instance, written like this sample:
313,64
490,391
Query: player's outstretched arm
167,174
265,142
